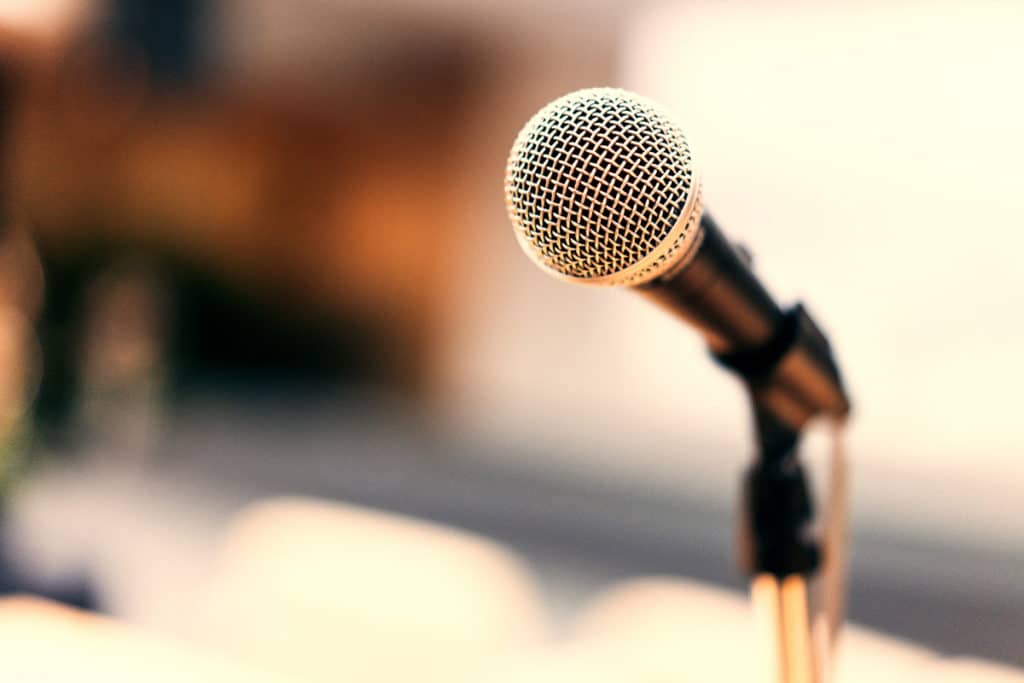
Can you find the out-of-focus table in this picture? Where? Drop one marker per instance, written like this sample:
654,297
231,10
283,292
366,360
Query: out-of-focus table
77,517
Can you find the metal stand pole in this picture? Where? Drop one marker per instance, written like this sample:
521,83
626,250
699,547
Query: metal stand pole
796,586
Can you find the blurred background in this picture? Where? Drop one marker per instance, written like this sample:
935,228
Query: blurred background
256,248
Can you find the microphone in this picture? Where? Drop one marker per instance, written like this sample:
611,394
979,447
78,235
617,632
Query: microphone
602,189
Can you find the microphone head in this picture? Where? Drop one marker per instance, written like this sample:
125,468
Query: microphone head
601,189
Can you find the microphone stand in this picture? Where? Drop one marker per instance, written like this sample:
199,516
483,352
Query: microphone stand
797,586
783,560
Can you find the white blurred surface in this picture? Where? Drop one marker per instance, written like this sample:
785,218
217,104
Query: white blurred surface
327,592
317,590
44,641
653,629
314,589
662,629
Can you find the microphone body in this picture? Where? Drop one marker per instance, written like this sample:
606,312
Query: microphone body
781,355
602,189
717,293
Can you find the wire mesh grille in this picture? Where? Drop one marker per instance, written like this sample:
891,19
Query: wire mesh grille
596,186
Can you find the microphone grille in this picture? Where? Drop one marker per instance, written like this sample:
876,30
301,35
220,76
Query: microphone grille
601,189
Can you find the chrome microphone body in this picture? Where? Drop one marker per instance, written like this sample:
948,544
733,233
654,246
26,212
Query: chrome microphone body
602,189
717,292
781,354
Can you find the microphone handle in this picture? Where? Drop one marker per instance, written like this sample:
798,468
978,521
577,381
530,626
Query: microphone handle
782,356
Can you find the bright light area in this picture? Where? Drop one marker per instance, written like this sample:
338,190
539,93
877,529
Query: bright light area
870,158
39,16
